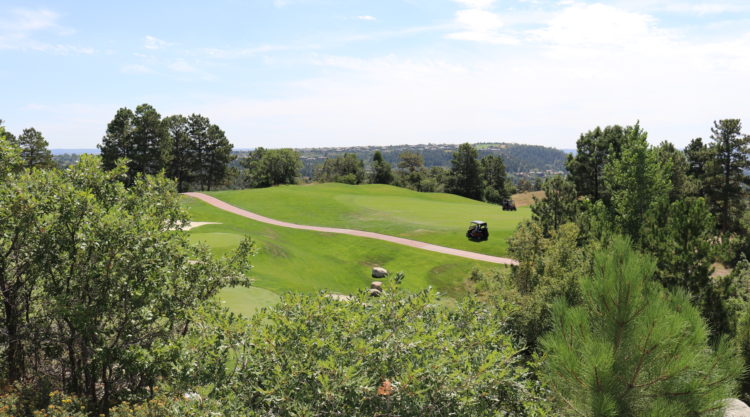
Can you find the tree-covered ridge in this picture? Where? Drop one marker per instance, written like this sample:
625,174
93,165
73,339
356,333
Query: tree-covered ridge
518,158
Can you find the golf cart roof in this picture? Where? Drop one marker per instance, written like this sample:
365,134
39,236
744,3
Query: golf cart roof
478,222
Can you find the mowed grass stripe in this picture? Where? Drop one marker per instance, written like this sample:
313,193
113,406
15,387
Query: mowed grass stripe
350,232
304,261
435,218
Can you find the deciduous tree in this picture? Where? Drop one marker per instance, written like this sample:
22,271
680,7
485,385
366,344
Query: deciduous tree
381,170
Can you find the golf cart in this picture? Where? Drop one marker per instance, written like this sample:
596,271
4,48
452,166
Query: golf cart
478,231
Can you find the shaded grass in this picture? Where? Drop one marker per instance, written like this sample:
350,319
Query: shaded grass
437,218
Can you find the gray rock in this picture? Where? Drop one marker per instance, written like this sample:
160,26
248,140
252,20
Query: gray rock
376,285
379,272
375,293
736,408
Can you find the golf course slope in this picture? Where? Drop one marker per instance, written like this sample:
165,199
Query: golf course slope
308,261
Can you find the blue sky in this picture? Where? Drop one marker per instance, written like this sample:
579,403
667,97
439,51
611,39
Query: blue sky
303,73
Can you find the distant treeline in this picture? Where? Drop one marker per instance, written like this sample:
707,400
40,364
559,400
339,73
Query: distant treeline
516,157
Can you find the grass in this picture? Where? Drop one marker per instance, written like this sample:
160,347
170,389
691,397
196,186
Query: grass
527,198
437,218
298,260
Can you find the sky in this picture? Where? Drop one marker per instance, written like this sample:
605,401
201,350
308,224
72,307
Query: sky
306,73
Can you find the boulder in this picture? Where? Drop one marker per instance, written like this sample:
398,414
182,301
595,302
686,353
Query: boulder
736,408
375,293
376,285
379,272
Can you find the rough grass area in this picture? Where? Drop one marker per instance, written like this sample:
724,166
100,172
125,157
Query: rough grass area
297,260
527,198
437,218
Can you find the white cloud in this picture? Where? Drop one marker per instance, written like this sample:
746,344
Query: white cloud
476,4
597,24
151,42
367,17
21,28
480,25
590,64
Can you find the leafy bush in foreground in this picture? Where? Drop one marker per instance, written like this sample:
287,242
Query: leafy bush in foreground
397,355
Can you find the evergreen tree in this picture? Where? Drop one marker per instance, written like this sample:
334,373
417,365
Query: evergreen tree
636,183
34,149
219,156
182,164
494,179
411,170
139,136
675,164
465,175
381,170
726,172
559,205
632,349
211,149
117,141
593,150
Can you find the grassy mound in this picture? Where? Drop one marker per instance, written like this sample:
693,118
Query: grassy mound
304,261
437,218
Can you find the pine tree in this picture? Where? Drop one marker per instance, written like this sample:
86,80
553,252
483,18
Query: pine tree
181,165
726,172
559,206
381,170
593,150
636,183
465,178
34,149
632,349
494,179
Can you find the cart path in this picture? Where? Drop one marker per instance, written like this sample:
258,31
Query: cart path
360,233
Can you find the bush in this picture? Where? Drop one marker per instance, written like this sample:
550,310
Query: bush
399,354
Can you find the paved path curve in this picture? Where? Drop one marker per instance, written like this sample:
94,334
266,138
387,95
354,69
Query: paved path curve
393,239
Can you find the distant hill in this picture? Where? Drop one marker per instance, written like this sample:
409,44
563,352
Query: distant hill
63,151
518,158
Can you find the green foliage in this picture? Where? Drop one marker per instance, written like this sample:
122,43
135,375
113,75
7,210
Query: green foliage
139,136
636,183
494,179
96,283
633,349
381,170
400,354
725,173
593,150
549,268
675,165
465,177
34,149
10,156
347,169
190,149
682,246
411,170
559,205
269,167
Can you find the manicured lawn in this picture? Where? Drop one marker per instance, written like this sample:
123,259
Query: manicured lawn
297,260
436,218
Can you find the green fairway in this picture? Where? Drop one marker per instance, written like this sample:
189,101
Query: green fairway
437,218
298,260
